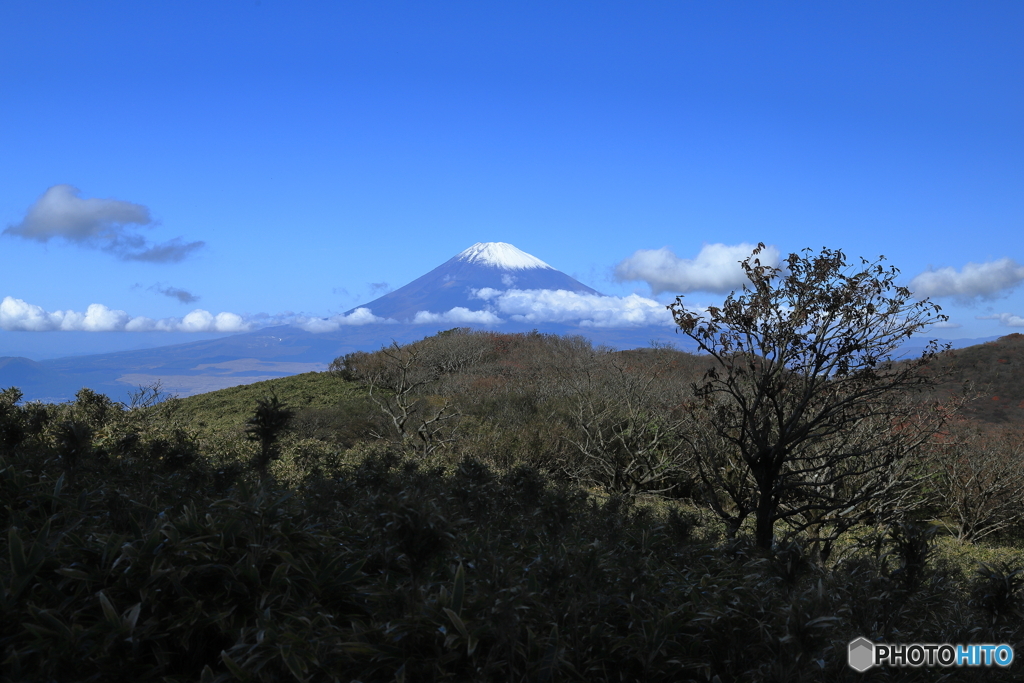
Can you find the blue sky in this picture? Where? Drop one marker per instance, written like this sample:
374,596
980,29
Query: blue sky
271,160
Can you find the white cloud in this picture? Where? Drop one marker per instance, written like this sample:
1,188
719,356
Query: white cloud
1005,319
590,310
19,315
716,268
101,223
144,324
459,314
360,316
16,314
946,324
975,281
97,318
203,321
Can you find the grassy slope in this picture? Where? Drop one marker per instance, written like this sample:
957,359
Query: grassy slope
994,371
227,409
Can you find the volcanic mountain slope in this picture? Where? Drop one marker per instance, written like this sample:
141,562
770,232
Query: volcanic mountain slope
485,265
994,373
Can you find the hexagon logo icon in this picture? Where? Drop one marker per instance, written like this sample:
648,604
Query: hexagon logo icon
861,654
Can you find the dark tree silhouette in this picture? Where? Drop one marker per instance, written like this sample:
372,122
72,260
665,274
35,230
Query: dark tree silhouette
804,396
266,427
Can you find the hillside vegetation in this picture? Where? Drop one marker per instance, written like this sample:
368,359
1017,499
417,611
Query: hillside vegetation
993,372
475,506
225,411
478,506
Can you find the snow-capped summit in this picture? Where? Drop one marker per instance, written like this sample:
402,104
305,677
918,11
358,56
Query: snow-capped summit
455,283
500,255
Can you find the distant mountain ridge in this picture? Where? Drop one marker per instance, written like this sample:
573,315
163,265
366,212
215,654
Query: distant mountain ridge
207,365
994,374
201,366
210,364
485,265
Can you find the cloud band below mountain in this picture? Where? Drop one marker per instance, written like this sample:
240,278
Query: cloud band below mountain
460,315
524,306
516,305
360,316
19,315
588,310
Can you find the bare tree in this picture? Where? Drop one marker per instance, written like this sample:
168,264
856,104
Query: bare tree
728,488
979,478
621,408
397,378
147,396
804,395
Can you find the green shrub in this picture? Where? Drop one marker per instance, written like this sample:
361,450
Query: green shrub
165,558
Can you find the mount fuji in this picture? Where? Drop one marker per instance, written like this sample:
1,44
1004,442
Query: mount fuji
485,267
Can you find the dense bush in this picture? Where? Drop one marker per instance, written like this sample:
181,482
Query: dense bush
390,569
141,545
